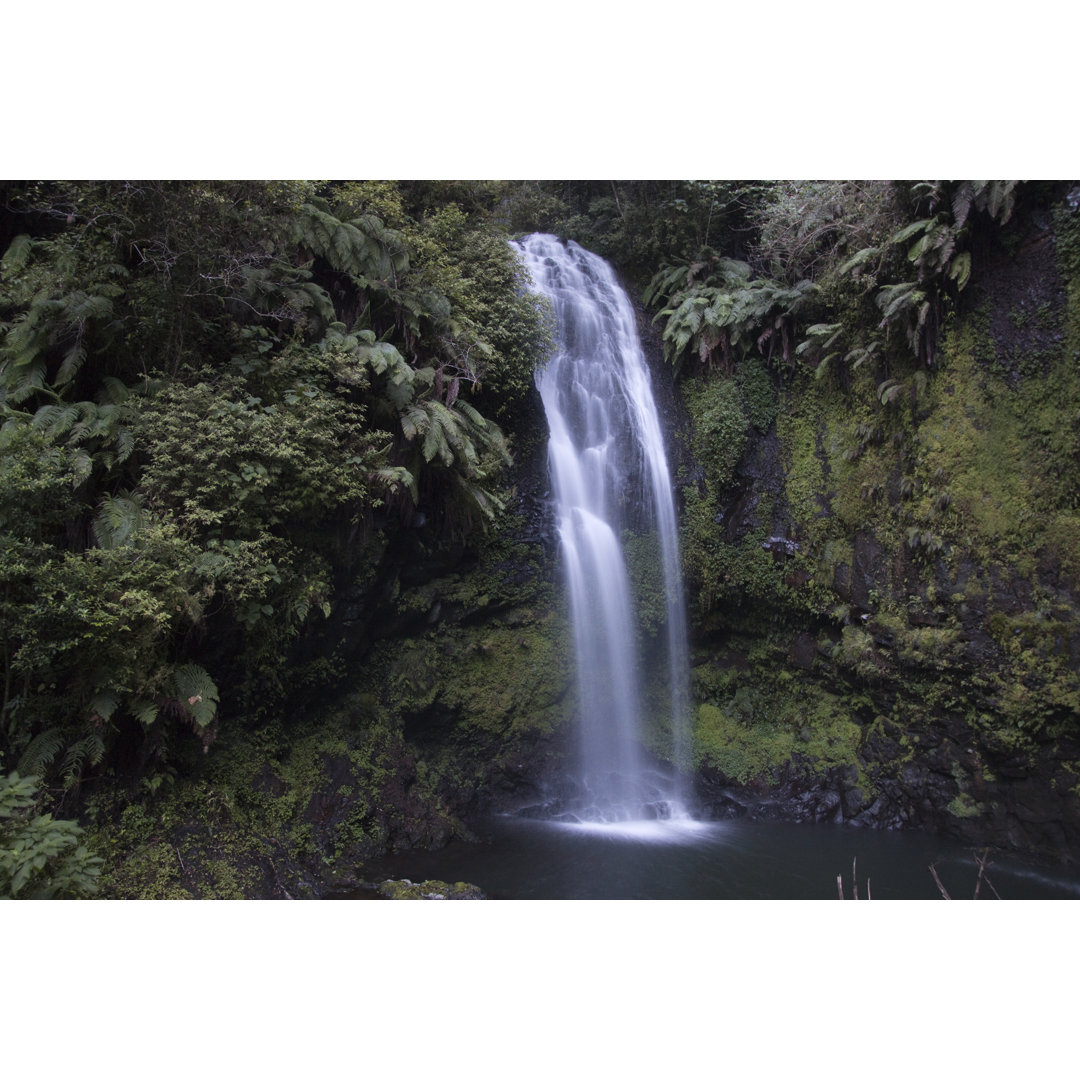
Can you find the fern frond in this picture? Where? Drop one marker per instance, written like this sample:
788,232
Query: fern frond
37,757
82,467
414,421
113,391
198,692
998,198
391,476
857,260
146,712
962,200
913,229
893,298
104,704
73,360
87,751
81,306
473,416
118,520
960,269
17,254
125,444
55,421
440,433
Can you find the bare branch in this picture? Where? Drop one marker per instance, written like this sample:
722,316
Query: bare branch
944,894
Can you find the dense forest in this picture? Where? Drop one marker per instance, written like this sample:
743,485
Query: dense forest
278,587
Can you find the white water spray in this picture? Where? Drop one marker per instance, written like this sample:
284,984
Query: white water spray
609,470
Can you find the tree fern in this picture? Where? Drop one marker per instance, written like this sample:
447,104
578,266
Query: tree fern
362,248
733,317
118,520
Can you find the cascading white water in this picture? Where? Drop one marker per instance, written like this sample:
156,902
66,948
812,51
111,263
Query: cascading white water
609,468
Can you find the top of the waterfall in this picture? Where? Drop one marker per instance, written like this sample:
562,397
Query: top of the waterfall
551,240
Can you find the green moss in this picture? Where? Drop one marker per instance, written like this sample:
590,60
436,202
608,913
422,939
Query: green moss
754,724
807,483
432,889
740,752
964,806
720,427
758,394
515,680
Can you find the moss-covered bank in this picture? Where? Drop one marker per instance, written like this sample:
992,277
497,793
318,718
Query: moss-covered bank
886,583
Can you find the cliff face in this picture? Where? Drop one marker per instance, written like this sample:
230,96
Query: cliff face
886,578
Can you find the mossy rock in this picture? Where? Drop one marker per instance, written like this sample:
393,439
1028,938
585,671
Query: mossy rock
404,889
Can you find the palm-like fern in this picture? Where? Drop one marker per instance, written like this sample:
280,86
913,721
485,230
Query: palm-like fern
100,432
936,246
43,348
726,314
450,435
364,248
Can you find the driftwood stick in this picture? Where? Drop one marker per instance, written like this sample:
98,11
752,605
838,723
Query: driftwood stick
280,883
840,885
982,870
944,894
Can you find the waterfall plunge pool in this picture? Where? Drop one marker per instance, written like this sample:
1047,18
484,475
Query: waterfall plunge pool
609,469
528,859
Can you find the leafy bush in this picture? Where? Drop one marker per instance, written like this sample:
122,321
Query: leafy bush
41,858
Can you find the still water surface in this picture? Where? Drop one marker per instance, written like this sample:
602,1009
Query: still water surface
521,859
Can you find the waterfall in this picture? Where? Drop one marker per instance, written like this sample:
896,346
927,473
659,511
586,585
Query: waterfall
609,473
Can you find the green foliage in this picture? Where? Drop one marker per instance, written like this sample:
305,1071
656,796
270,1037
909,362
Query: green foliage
41,858
208,391
644,566
750,725
716,311
638,224
721,427
806,226
221,457
936,248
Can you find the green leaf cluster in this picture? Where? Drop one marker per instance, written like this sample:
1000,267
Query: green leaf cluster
41,857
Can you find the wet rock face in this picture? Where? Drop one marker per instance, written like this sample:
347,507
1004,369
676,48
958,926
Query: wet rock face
1026,298
948,789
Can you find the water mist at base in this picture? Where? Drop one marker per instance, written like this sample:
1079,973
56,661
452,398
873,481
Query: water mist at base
609,473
